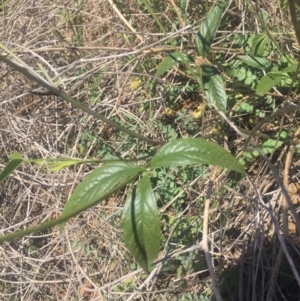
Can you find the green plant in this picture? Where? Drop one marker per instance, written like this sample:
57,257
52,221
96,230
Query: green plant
140,218
124,86
208,76
140,215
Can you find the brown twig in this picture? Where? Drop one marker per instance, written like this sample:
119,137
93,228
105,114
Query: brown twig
205,246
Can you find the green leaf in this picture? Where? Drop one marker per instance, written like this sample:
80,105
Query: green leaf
56,166
172,60
291,68
98,183
208,28
188,151
259,44
267,82
58,163
255,61
15,161
214,86
269,145
140,222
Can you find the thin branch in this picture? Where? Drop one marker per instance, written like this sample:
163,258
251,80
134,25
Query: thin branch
126,54
65,217
205,246
74,102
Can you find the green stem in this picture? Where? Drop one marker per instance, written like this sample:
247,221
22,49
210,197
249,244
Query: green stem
149,8
162,28
270,36
293,13
65,217
74,102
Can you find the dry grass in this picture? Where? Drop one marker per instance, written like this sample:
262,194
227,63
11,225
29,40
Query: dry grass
89,261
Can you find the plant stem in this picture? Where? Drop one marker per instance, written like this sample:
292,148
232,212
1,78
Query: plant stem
74,102
64,218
